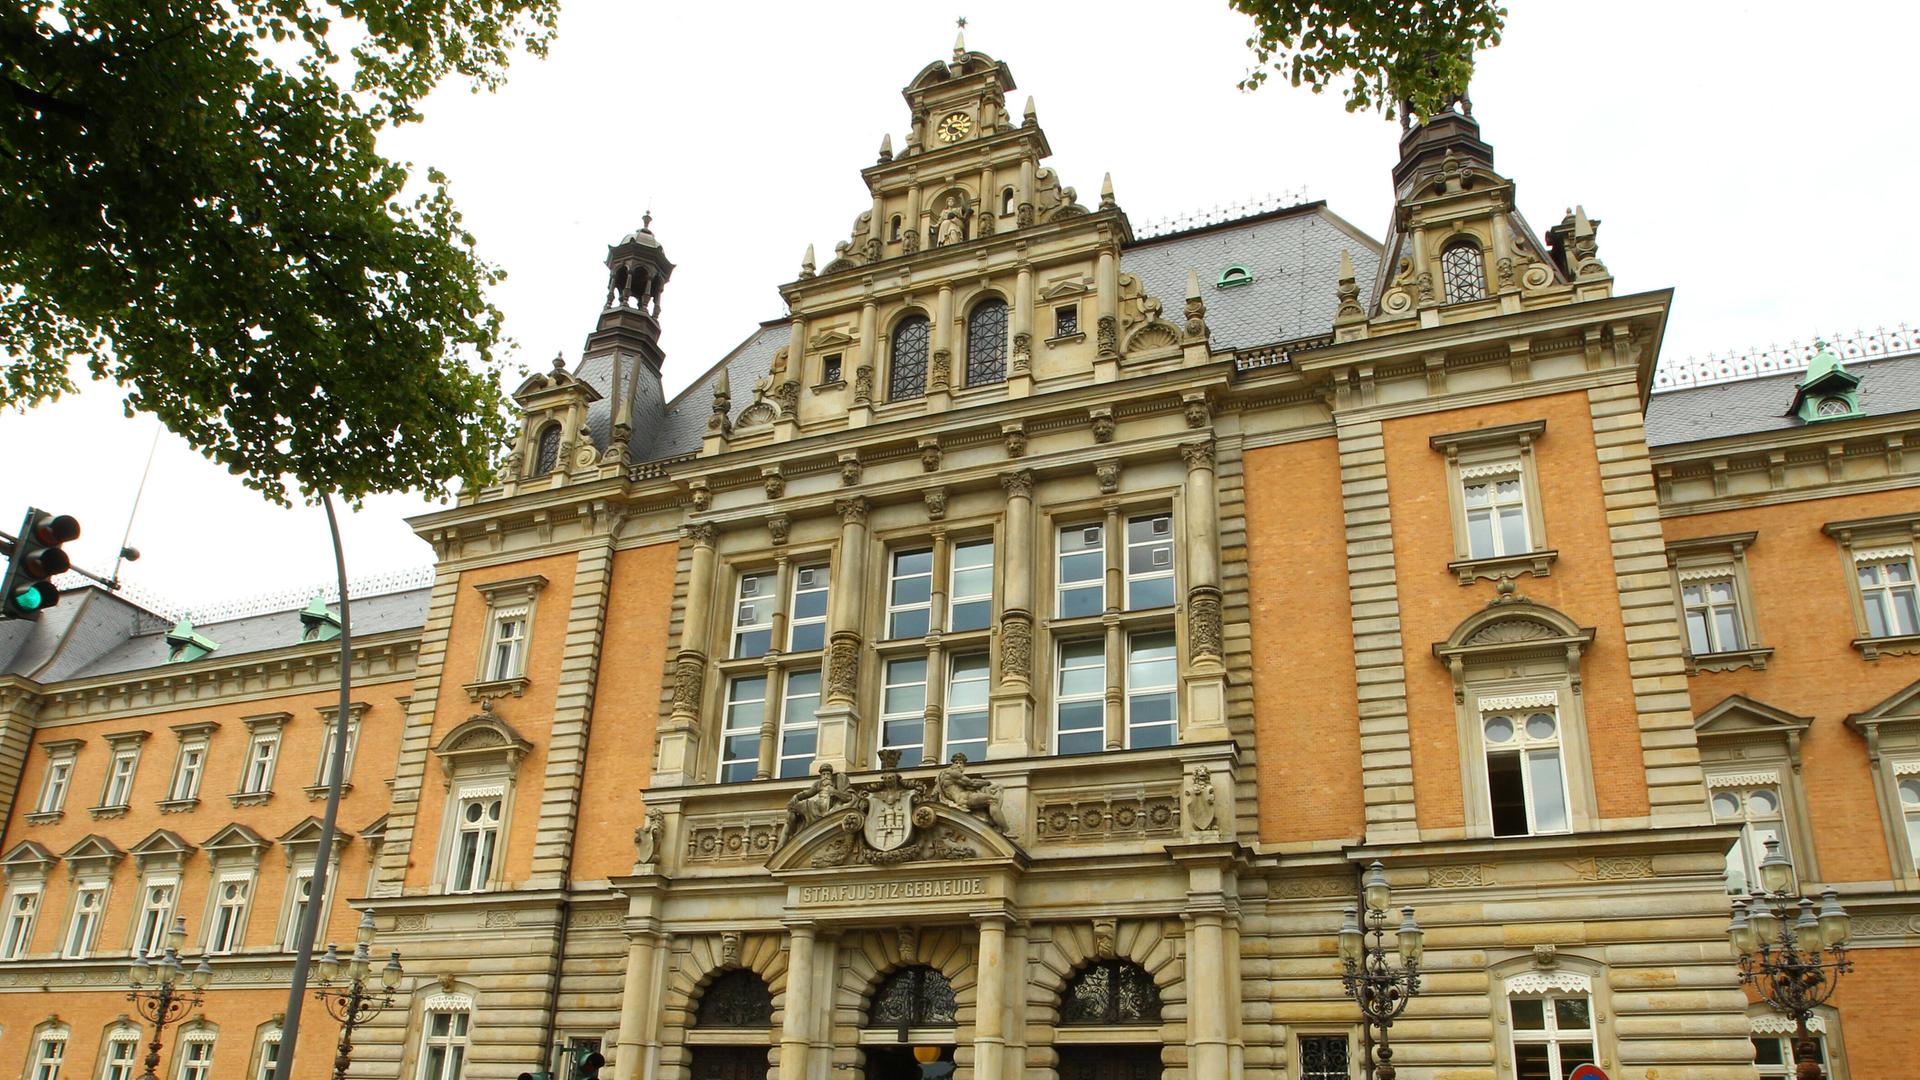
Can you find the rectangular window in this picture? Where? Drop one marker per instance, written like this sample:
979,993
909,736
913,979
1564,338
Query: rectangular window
1909,786
229,914
1887,592
1755,810
270,1057
1151,678
53,790
740,731
156,918
799,730
120,777
89,901
328,730
476,842
753,615
18,932
1324,1057
807,615
967,680
120,1058
1773,1055
903,709
445,1054
1150,562
1525,782
970,597
1081,575
262,752
507,655
196,1060
910,594
48,1057
1066,320
830,368
186,772
1552,1036
302,888
1496,511
1079,701
1712,612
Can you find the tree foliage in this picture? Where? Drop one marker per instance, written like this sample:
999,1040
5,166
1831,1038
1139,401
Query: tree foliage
193,204
1411,54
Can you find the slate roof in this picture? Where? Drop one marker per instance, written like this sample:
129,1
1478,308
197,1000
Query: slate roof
1748,406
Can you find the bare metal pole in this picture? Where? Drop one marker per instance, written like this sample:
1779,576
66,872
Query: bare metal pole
310,918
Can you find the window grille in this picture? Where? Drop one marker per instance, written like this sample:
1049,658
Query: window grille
912,997
987,343
907,372
1463,271
1111,992
737,999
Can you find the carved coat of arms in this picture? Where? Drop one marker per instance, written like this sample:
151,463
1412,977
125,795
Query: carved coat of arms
889,823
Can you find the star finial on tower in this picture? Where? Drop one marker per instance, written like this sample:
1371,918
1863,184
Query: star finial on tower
961,22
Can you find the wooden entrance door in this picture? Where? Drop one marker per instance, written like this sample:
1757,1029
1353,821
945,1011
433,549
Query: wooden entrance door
729,1063
1109,1063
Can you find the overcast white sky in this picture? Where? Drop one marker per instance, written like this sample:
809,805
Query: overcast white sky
1747,155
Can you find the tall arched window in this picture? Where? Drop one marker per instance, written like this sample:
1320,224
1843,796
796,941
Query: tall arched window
1111,992
893,229
912,997
737,999
907,370
1006,202
1463,271
987,343
548,454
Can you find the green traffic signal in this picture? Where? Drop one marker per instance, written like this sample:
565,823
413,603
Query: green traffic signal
34,559
30,598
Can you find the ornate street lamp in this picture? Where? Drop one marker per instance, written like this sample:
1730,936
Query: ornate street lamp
351,1003
1791,956
168,1002
1381,988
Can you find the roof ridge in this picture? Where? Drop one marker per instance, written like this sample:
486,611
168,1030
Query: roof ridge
1758,363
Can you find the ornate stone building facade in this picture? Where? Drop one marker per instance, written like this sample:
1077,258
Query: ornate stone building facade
1015,652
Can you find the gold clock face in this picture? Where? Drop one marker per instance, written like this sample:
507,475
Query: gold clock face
954,127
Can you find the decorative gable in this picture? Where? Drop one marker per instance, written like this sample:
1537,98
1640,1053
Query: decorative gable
92,854
162,849
300,842
483,740
27,859
236,843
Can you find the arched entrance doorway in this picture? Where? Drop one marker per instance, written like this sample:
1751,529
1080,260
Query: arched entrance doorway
732,1029
912,1008
1109,1023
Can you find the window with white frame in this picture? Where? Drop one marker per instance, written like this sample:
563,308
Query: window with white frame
1887,593
188,768
910,594
1496,510
228,924
507,643
263,752
1751,802
799,728
300,894
330,727
196,1056
968,679
1710,606
23,904
269,1056
49,1054
1080,571
53,787
1553,1034
753,606
156,916
476,840
120,772
1149,564
1493,497
123,1048
1079,700
443,1050
1526,775
1152,673
1907,781
807,617
89,903
970,593
903,709
746,710
1773,1056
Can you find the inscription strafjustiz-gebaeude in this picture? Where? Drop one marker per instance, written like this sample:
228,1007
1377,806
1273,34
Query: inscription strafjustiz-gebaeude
865,891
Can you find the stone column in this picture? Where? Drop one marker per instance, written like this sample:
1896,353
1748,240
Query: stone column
1012,731
1208,1052
933,727
1020,360
1106,281
795,1040
1026,208
636,1006
787,390
1205,676
680,739
1114,546
838,715
989,1031
911,223
941,362
867,360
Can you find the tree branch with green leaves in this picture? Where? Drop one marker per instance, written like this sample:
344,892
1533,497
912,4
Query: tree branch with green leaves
1390,55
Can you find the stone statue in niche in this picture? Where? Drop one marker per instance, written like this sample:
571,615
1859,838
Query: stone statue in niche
972,794
828,793
646,838
1200,801
953,223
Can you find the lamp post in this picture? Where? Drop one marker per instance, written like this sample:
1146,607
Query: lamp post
1790,955
1381,988
351,1003
168,1002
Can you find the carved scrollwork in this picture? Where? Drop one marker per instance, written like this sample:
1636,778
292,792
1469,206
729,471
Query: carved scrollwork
1099,815
1204,621
1022,353
1107,334
1016,646
689,677
1018,485
852,511
1199,455
940,370
863,385
843,669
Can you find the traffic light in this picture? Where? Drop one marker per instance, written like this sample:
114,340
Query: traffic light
586,1066
36,559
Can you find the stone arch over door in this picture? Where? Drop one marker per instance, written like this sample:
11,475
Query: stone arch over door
865,958
693,968
1056,953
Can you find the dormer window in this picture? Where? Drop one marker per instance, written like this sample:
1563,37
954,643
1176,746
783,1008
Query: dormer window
547,458
186,644
1835,407
1463,270
1232,277
1828,391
